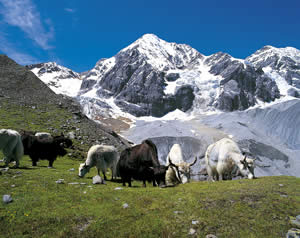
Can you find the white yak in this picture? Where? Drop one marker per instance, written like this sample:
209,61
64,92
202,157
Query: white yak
11,145
101,156
179,170
224,157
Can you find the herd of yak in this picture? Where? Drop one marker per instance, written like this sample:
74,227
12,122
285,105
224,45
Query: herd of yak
223,158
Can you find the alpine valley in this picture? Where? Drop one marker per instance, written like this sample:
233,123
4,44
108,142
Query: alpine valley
171,93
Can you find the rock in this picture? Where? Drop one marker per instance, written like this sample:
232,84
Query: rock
125,205
4,169
195,222
210,236
118,188
71,135
192,231
178,212
60,181
280,185
295,222
7,198
98,180
72,169
13,185
293,233
74,183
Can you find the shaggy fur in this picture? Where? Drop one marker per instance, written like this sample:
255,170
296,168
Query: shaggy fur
101,156
11,145
179,171
46,150
140,162
223,157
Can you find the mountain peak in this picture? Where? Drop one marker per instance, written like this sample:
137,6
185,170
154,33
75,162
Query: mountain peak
149,37
269,51
162,54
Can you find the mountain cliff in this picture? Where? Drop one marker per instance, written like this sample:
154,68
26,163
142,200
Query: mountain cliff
154,77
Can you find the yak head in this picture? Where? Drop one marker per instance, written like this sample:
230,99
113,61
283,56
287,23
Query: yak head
246,167
160,174
182,170
83,169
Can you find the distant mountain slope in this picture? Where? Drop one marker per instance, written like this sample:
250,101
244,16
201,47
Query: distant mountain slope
281,64
60,79
27,103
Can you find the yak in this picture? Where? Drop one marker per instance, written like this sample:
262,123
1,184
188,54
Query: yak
101,156
224,157
38,149
11,145
140,162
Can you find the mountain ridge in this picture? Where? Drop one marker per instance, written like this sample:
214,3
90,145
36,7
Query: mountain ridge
154,77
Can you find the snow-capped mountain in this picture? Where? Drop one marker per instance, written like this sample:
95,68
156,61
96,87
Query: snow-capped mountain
281,64
256,99
154,77
60,79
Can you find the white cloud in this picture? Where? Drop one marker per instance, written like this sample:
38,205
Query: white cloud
23,14
70,10
14,54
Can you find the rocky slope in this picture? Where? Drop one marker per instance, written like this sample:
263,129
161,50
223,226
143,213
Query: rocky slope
33,101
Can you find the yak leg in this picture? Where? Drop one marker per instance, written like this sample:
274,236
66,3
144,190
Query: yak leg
104,175
50,163
17,163
34,160
144,183
154,183
129,182
124,182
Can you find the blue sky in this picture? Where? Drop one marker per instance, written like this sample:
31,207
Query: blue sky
77,33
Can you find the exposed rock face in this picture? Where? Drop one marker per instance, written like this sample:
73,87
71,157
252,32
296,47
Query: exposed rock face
137,80
154,77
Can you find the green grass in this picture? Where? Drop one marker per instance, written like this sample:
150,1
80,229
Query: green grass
240,208
42,208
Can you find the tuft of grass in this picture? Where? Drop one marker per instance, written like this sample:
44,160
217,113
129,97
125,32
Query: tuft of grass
239,208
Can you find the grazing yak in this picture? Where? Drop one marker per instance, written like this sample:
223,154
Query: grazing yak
140,162
43,149
101,156
11,145
179,170
224,157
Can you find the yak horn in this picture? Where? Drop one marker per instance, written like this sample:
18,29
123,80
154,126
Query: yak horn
191,164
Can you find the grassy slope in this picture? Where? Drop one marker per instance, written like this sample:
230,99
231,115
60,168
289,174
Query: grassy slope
240,208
